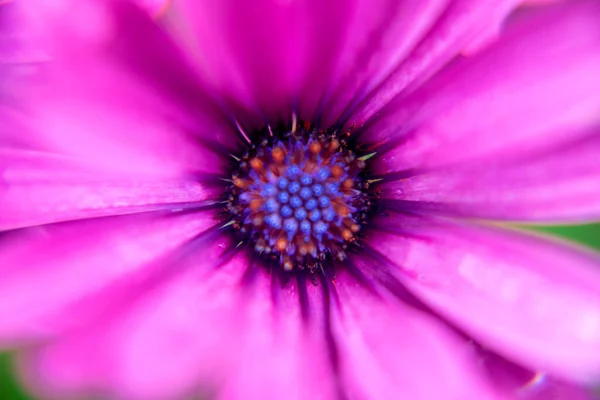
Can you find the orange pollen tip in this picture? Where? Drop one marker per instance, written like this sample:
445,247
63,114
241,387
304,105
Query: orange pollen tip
354,228
342,211
310,167
255,204
256,164
278,154
337,171
281,244
288,266
333,145
240,183
347,234
257,221
348,183
315,147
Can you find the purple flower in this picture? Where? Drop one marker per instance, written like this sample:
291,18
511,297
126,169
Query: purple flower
292,199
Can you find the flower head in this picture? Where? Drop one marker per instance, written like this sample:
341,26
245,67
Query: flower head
276,199
299,198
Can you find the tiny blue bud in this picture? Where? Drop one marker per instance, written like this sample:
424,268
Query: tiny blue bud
296,202
306,193
292,171
271,206
306,179
328,214
286,211
315,216
324,201
311,204
294,187
305,227
283,197
268,190
317,189
282,183
300,214
320,228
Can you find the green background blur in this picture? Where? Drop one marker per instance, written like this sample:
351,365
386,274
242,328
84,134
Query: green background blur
586,234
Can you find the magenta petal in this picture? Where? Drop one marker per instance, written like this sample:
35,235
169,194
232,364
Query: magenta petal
387,348
156,7
378,36
201,330
535,302
562,184
47,269
143,105
550,389
519,384
266,55
172,337
534,88
283,354
17,52
312,56
461,25
191,321
38,188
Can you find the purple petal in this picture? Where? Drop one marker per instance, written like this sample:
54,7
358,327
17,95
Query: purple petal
550,389
38,188
536,87
128,92
562,184
48,269
284,354
215,333
156,7
321,57
378,35
464,25
519,384
534,302
17,51
266,55
387,348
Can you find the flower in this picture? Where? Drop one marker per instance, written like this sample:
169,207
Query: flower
162,177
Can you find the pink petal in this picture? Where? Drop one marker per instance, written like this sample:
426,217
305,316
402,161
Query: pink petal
265,55
562,184
387,348
156,7
519,384
191,321
534,302
17,52
378,35
320,57
127,90
464,25
536,87
550,389
216,334
40,188
283,354
172,336
47,269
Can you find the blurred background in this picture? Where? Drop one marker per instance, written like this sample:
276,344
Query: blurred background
587,235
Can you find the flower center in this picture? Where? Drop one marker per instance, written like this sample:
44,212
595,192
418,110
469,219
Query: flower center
299,198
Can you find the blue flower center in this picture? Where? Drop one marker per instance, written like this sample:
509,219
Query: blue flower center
299,199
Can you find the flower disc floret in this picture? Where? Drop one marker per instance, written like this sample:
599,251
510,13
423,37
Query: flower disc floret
299,199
